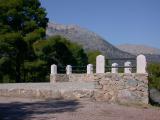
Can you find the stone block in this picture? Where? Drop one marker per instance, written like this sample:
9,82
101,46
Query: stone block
141,64
104,82
132,83
98,86
100,64
53,69
128,67
114,68
83,94
106,87
89,69
124,95
68,69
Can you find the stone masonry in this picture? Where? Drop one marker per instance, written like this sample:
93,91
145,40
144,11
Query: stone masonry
113,88
122,88
108,87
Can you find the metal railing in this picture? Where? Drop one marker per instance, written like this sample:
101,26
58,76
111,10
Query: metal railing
108,67
75,69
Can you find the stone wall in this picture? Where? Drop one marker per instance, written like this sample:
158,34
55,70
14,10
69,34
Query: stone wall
65,90
113,88
108,87
122,88
71,77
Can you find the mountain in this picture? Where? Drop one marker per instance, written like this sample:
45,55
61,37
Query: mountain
138,49
152,54
89,40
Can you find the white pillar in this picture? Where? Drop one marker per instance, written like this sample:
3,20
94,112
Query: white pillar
114,68
89,69
68,69
100,64
141,64
53,69
128,67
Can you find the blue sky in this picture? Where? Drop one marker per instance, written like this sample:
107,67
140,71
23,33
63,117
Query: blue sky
117,21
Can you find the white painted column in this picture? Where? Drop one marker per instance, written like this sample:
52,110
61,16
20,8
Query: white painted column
100,64
89,69
114,68
68,69
53,69
141,64
128,67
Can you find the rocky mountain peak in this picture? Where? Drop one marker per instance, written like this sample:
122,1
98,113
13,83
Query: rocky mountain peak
88,39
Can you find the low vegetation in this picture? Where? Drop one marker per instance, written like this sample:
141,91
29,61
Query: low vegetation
154,75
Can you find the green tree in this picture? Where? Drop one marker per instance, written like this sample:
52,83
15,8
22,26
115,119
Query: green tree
92,56
60,51
23,16
79,54
36,71
12,50
22,22
54,50
154,75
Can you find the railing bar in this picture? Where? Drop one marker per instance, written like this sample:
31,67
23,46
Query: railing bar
120,67
122,59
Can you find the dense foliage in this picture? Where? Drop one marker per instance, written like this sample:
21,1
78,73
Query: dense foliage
154,75
92,56
60,51
24,16
25,53
22,22
12,50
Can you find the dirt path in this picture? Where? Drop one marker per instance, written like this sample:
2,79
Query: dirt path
35,109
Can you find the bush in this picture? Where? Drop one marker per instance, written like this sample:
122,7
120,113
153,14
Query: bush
154,75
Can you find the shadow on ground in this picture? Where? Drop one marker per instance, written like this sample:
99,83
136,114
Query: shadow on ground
154,97
24,111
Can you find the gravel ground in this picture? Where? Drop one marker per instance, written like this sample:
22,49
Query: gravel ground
37,109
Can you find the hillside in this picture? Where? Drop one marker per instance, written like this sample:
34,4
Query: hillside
89,40
137,49
152,54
